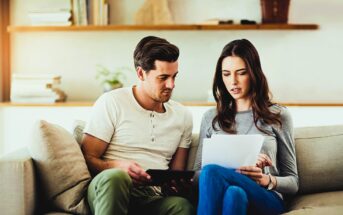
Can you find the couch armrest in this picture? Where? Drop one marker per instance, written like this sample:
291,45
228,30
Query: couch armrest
17,183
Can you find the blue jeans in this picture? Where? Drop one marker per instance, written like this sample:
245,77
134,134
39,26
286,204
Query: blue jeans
224,191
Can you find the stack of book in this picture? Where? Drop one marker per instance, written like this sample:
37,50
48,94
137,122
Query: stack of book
93,12
80,12
36,89
51,17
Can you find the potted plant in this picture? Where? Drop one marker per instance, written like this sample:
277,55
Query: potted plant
111,79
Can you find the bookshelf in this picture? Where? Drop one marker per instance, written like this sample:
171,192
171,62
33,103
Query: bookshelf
175,27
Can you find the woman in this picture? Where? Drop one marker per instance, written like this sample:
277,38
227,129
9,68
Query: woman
244,107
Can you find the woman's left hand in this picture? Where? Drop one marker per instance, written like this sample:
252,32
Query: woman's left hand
255,173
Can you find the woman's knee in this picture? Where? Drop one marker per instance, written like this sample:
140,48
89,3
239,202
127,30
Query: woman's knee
214,171
237,193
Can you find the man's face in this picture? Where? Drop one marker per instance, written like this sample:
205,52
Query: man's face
160,82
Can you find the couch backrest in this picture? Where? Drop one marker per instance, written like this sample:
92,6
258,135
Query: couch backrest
319,152
79,125
192,151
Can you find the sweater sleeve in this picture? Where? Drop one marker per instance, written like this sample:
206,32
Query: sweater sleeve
205,132
287,181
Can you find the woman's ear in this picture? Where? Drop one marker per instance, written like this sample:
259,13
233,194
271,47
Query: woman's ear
140,73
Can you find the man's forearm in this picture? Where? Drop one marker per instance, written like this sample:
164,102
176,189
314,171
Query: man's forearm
96,165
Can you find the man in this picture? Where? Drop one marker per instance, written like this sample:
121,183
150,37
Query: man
138,128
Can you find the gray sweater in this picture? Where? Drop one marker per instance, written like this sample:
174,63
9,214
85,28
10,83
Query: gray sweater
279,145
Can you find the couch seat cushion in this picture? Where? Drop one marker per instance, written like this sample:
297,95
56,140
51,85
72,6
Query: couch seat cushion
333,210
327,199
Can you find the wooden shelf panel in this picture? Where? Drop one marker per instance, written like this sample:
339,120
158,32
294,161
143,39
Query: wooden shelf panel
163,27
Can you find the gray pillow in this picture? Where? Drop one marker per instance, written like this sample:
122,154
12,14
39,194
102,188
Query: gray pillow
61,167
78,128
319,153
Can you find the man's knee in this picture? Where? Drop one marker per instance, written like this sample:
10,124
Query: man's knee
178,205
114,178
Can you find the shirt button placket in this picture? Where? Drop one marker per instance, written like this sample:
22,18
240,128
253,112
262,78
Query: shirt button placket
152,127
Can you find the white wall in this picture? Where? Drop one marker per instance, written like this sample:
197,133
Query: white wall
302,66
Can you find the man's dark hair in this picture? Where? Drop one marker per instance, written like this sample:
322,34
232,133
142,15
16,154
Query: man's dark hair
152,48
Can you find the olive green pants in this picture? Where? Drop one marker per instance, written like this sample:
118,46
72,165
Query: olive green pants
111,192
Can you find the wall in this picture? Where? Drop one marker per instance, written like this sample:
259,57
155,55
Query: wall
302,66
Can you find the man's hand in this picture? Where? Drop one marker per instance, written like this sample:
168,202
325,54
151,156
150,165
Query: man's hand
135,171
255,173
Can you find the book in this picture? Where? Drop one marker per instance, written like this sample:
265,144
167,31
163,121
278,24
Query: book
62,16
36,88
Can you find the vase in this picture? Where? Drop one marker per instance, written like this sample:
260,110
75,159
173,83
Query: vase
275,11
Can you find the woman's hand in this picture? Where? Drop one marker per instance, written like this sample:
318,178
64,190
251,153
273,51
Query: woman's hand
263,160
255,173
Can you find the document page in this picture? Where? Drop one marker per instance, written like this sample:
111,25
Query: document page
232,151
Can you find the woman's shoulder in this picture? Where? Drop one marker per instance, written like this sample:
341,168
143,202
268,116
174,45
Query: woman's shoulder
285,115
277,108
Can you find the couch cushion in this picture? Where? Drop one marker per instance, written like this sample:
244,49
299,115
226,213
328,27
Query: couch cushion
78,128
61,167
334,210
319,153
327,199
193,151
17,183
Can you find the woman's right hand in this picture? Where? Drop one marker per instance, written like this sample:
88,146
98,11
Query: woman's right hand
263,160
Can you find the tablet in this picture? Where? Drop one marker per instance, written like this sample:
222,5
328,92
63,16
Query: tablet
159,176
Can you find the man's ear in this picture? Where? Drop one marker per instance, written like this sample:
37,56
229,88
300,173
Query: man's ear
140,73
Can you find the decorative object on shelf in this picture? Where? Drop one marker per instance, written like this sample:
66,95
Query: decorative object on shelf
154,12
111,79
248,22
275,11
217,21
37,88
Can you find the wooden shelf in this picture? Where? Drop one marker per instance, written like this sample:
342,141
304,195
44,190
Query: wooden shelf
164,27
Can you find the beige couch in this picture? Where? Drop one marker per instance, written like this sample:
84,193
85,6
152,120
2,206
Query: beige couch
319,158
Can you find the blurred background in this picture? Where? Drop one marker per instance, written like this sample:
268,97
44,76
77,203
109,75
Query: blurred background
63,50
301,65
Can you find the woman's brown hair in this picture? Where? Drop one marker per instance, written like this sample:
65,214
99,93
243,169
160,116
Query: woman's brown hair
259,90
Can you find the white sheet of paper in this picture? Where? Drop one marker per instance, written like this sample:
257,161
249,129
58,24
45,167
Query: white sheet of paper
232,151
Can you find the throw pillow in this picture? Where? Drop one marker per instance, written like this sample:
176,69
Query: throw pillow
61,167
78,128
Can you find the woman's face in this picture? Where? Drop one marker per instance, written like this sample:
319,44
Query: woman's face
236,77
